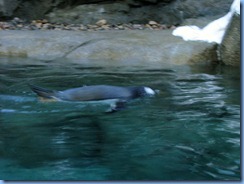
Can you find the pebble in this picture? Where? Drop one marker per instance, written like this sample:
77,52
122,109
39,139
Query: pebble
19,24
101,22
151,22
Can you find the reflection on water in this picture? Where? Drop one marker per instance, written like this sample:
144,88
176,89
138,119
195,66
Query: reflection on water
189,131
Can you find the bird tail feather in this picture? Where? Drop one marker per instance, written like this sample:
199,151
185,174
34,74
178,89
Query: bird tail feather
42,92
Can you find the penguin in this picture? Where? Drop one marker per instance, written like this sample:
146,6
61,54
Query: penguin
120,94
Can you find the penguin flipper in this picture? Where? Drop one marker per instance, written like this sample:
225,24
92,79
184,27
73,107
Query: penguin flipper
42,92
117,106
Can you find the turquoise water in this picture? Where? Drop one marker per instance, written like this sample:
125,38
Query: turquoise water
189,131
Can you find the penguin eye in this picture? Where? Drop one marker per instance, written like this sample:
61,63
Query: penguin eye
140,92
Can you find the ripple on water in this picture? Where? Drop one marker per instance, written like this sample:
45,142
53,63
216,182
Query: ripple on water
189,131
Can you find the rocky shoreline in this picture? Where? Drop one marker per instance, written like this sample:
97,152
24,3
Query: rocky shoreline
44,39
43,24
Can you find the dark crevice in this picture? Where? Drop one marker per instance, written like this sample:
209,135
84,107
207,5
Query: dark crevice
83,44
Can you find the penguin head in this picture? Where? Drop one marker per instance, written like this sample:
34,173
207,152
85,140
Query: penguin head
149,91
142,91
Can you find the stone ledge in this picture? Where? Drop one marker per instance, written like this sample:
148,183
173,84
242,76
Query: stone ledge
117,47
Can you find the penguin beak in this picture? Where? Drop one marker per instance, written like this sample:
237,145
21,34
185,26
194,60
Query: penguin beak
157,91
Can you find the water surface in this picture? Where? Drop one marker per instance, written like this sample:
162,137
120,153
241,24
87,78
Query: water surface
189,131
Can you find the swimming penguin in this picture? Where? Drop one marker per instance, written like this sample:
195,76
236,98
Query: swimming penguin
96,93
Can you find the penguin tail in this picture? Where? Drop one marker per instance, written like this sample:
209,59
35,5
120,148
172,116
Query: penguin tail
42,92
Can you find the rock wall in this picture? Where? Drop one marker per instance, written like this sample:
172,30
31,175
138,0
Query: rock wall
170,12
113,48
231,45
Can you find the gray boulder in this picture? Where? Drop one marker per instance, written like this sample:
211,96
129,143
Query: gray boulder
230,46
114,13
7,7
